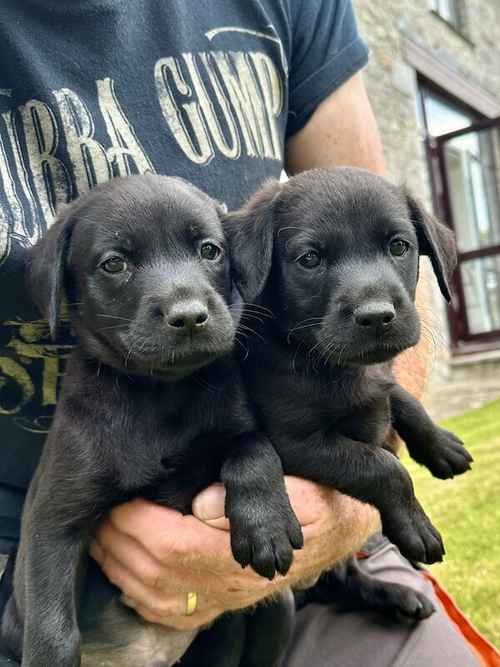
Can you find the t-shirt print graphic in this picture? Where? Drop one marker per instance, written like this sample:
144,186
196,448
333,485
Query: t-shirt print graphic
210,104
30,379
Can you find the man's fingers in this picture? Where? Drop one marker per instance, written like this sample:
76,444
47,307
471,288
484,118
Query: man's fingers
179,622
129,552
159,601
178,542
168,535
310,501
208,506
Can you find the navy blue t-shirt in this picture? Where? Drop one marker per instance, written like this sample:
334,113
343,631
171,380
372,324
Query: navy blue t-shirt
91,89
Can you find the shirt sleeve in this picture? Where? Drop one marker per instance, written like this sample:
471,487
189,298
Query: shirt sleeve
326,51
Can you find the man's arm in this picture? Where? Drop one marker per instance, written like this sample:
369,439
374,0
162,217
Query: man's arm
341,132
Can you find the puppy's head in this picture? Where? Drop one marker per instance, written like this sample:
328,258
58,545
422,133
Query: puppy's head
335,254
142,263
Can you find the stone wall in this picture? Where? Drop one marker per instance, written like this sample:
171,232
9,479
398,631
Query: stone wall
391,83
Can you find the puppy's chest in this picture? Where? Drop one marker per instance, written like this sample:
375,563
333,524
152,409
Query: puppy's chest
305,403
172,444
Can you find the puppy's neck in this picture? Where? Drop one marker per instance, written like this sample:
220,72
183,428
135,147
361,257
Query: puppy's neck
213,373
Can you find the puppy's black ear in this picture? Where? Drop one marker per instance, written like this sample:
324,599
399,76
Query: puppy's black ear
437,242
250,235
46,263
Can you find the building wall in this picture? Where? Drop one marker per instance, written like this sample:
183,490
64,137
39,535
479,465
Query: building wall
391,83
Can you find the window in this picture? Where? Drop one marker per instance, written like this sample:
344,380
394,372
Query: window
468,149
449,10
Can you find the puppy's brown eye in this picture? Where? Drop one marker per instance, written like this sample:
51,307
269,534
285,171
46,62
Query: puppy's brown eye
210,251
310,260
114,265
398,247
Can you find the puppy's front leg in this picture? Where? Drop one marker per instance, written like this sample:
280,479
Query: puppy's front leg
264,528
374,476
53,566
437,449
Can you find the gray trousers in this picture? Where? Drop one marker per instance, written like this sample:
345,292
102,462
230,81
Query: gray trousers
326,638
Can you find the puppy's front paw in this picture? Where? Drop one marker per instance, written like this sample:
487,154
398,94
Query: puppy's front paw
415,536
265,537
446,455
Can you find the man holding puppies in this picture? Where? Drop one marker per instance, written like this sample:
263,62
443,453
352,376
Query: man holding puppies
224,94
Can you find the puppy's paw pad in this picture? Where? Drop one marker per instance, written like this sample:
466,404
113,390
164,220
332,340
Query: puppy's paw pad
241,548
266,562
266,553
415,536
264,534
268,546
411,604
448,456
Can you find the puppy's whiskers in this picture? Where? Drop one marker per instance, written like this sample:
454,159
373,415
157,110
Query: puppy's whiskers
128,355
433,336
333,348
284,229
115,317
242,345
304,324
251,310
206,385
253,317
294,358
258,308
242,328
113,326
314,348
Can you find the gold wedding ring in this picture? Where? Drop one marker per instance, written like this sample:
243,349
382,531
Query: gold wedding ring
191,603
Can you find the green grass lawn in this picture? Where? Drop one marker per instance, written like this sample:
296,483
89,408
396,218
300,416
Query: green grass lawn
466,510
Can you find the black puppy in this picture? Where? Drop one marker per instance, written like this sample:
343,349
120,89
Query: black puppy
152,406
335,257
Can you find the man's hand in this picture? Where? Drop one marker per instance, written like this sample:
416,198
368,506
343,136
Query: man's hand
156,556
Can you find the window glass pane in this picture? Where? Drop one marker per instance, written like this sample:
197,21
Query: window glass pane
481,283
443,116
473,170
448,9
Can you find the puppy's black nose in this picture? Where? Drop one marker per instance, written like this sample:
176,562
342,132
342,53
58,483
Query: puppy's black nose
375,316
187,316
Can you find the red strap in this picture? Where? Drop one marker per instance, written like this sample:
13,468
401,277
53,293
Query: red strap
486,653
